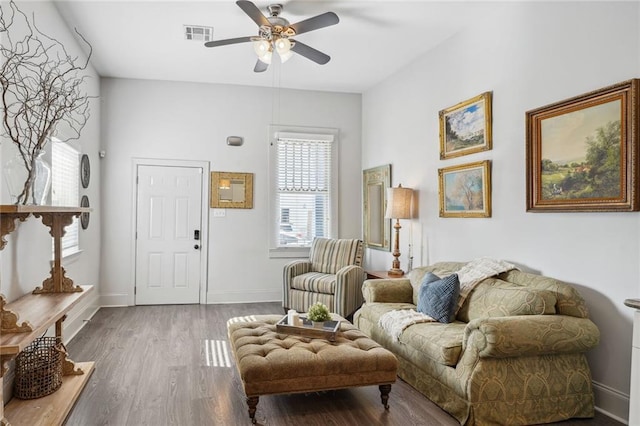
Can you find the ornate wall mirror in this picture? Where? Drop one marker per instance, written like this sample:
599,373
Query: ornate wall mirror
231,190
377,229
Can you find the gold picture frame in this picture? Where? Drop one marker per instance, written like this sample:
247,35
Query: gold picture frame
231,190
465,128
376,229
582,153
465,190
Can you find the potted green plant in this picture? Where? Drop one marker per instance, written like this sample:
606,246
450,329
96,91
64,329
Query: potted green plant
318,314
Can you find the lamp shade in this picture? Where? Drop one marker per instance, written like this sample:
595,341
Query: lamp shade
399,203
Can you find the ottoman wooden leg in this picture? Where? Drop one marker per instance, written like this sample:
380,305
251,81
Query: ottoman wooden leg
252,402
384,395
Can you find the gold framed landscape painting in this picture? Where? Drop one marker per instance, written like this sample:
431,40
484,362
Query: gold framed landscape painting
582,153
465,190
465,128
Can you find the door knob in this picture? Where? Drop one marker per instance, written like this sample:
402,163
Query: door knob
196,247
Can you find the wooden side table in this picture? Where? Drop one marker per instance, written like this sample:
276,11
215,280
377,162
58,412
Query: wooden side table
371,275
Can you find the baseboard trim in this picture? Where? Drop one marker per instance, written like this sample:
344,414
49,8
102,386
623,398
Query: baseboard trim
119,300
79,316
244,297
611,402
114,300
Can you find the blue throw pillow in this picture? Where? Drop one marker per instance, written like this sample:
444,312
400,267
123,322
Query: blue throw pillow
427,279
438,297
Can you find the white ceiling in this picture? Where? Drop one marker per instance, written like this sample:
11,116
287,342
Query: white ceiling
374,39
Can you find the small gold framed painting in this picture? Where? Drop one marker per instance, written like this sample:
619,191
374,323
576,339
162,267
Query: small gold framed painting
465,190
465,128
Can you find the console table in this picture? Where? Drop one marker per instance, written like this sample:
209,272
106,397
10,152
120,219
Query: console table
28,317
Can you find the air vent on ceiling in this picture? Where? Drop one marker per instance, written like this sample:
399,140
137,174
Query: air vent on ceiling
198,33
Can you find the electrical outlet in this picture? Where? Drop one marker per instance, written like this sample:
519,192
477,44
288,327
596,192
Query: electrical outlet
219,212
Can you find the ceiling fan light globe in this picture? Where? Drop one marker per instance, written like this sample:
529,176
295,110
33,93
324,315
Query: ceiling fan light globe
266,57
283,45
285,56
261,47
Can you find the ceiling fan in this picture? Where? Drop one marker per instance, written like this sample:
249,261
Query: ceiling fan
275,33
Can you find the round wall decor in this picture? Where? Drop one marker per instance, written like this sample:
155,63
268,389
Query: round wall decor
84,216
85,170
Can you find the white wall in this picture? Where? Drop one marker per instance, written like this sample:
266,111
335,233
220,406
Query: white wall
529,55
188,121
25,260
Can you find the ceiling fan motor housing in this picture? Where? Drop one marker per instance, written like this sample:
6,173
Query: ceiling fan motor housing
279,25
274,9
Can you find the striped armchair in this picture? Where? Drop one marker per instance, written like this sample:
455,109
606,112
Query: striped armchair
332,275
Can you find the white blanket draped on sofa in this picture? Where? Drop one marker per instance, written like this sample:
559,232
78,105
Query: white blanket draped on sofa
395,322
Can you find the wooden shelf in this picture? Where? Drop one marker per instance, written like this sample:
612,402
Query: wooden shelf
52,409
40,311
46,306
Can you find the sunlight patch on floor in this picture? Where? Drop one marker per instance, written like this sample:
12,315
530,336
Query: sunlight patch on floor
216,353
248,318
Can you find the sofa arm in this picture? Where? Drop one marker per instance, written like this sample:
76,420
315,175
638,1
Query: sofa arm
387,291
348,294
291,270
529,335
295,268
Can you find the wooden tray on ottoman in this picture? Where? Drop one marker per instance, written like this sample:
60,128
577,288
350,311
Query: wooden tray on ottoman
308,330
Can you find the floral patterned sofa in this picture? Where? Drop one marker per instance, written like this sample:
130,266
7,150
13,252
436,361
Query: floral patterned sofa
514,355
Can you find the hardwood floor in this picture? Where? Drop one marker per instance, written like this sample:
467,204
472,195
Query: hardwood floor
153,368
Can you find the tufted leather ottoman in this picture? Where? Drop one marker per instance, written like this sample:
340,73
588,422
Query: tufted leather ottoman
271,363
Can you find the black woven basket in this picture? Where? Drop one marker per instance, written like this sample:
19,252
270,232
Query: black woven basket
39,369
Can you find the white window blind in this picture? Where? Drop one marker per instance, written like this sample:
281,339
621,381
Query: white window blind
303,188
65,191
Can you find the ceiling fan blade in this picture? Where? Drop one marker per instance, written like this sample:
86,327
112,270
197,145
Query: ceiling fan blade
253,12
315,23
310,53
224,42
260,66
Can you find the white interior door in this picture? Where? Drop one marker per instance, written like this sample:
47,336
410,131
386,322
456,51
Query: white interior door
168,224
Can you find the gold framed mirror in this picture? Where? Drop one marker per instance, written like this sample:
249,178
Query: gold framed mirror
376,229
231,190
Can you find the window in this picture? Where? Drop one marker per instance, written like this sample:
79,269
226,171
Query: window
65,191
304,196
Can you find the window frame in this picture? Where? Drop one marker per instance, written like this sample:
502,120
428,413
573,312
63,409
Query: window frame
76,248
311,133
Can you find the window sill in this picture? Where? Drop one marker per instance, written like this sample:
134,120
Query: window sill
289,252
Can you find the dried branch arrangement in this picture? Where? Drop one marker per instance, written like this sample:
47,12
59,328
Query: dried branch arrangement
41,88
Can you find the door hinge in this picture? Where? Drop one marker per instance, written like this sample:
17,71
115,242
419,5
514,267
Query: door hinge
135,290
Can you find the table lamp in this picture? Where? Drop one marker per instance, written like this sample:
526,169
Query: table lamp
398,207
